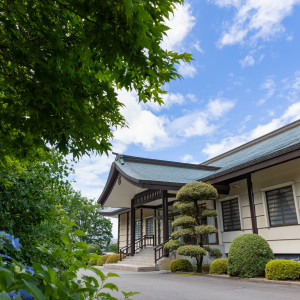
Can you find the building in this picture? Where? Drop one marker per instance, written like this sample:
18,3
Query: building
258,185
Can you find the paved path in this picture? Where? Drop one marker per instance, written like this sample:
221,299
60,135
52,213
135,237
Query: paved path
165,286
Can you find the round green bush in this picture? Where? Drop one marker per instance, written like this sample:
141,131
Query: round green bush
191,250
281,269
105,257
93,248
181,265
218,266
248,255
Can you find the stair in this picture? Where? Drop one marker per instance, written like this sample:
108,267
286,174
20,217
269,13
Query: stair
142,261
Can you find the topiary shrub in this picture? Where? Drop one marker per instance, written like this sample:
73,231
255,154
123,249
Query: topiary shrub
181,265
248,255
99,263
218,266
113,259
94,259
281,269
93,248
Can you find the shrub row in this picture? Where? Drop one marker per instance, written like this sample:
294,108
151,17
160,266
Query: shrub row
218,266
99,260
281,269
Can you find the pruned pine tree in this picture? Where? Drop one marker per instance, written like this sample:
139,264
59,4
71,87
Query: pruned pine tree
192,222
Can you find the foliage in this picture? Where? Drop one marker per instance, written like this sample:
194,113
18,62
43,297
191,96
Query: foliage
172,245
85,214
40,282
62,62
113,259
281,269
180,265
213,253
248,255
193,220
30,192
113,248
195,191
191,250
105,257
94,248
184,221
218,266
95,258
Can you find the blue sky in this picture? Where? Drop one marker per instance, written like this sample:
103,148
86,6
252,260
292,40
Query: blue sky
243,83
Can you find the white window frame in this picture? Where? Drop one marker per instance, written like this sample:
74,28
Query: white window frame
275,187
220,212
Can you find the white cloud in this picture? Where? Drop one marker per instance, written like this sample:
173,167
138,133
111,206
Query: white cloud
201,122
187,70
255,19
270,86
198,47
292,113
188,158
180,23
247,61
169,99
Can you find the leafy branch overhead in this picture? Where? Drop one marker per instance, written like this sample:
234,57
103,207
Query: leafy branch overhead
61,65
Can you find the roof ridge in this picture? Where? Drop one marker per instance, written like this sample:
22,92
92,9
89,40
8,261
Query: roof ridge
253,142
123,158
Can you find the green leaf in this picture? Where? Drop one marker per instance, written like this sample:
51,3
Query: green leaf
112,275
3,296
98,272
110,286
79,233
6,278
36,292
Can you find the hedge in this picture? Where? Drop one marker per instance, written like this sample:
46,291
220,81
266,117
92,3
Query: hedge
94,259
218,266
281,269
181,265
113,259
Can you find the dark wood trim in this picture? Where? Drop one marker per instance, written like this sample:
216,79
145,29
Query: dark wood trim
171,195
165,216
216,223
119,217
252,205
142,222
132,237
127,229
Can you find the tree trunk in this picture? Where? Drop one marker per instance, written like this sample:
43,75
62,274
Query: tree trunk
199,264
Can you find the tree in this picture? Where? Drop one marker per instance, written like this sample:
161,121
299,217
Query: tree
62,62
193,221
86,215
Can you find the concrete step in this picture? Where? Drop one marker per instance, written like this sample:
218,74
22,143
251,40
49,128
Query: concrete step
129,267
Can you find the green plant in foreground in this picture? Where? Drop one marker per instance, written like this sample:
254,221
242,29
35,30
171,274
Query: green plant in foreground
281,269
248,255
45,283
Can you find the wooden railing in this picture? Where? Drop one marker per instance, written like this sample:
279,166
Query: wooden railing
146,240
160,252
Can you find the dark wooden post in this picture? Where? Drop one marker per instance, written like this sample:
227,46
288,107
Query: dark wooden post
118,233
154,220
141,222
165,216
127,230
132,242
252,205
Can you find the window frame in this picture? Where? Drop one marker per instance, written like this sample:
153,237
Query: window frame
221,223
265,202
153,220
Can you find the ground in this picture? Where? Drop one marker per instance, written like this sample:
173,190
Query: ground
165,285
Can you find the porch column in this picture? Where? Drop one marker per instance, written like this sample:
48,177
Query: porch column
165,216
127,230
132,243
118,233
252,205
141,222
154,220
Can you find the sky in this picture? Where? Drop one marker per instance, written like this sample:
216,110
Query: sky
244,82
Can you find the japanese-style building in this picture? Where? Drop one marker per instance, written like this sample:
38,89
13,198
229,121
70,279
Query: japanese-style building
258,185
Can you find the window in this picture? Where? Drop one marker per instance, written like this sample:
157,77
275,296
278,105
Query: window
137,230
231,215
281,207
149,227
